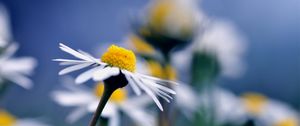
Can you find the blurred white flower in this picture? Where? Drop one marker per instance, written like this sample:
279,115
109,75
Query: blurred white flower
186,100
86,101
269,112
169,24
6,119
174,17
16,69
227,106
221,39
5,33
115,62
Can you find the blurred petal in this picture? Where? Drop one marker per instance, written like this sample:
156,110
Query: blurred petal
29,122
76,114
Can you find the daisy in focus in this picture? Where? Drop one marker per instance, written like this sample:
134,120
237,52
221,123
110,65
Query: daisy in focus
116,69
16,69
6,119
85,100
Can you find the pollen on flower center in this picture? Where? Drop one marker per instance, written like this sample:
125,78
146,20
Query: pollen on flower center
118,96
6,119
119,57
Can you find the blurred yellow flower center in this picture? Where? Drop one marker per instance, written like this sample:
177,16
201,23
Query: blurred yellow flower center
141,46
158,71
118,96
287,122
159,13
119,57
6,119
171,16
254,102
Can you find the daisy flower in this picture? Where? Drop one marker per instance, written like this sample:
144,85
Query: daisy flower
85,100
116,69
269,112
16,69
222,40
6,119
167,24
165,15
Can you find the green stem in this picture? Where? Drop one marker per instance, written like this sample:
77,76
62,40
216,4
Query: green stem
106,95
163,117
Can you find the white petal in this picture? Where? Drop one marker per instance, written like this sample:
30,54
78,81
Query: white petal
149,92
138,114
165,94
156,90
20,80
186,95
166,89
93,106
105,73
76,114
87,75
142,100
9,51
5,29
109,110
88,55
114,120
67,98
23,65
164,97
156,79
73,52
74,68
132,83
70,61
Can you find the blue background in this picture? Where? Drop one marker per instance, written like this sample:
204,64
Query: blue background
272,28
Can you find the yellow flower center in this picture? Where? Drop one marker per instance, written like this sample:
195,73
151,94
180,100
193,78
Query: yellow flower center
6,119
287,122
119,57
254,102
118,96
158,71
141,46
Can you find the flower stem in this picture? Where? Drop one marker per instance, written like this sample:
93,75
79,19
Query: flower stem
163,117
106,95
